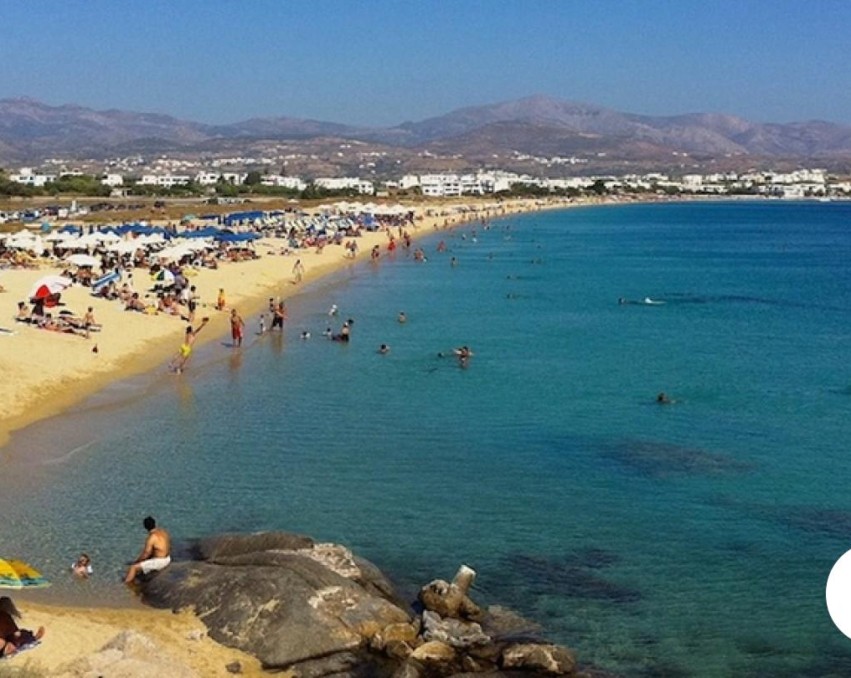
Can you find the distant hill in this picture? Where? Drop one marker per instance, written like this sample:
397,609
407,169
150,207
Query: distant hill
537,125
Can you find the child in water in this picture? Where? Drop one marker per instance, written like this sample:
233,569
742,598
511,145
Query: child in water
83,567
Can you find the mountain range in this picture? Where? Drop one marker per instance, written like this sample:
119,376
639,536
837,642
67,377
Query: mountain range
472,137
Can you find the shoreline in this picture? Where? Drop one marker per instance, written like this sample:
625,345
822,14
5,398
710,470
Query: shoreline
53,373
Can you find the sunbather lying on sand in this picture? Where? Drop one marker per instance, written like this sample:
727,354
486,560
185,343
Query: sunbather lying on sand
13,638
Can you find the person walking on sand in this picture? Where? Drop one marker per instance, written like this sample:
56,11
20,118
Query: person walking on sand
185,350
298,271
220,300
237,327
155,554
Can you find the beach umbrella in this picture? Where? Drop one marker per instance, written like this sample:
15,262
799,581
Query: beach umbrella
164,277
107,236
82,260
48,286
59,236
123,247
16,574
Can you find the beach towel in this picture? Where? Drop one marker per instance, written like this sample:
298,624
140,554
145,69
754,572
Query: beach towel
104,280
23,648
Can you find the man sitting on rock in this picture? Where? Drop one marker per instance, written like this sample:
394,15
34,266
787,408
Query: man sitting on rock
156,553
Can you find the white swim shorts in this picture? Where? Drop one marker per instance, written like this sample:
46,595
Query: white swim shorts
154,564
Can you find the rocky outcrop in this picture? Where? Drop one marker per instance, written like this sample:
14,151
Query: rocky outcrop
319,610
128,655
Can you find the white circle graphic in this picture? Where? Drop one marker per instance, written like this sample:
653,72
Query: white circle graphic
838,594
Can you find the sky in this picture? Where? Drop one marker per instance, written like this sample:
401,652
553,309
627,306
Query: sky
384,62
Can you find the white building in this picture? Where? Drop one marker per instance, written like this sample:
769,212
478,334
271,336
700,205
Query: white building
165,180
28,177
294,183
409,181
112,180
207,178
440,185
363,187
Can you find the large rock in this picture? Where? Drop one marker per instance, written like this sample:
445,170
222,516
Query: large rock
459,634
449,600
127,655
551,659
319,611
229,545
283,605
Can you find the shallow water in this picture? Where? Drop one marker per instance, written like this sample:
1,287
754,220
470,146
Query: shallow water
692,538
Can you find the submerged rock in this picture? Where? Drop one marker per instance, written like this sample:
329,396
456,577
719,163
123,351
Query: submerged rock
656,459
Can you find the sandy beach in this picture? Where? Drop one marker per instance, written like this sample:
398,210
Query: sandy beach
46,372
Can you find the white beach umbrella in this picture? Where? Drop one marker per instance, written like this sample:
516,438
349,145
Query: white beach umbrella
123,247
151,239
82,260
107,236
57,236
20,239
172,253
84,242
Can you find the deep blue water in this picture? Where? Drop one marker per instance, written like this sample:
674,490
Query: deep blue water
685,539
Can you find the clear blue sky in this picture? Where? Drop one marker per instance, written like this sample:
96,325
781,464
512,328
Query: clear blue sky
382,62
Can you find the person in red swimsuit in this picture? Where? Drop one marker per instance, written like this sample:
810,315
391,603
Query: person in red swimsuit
237,327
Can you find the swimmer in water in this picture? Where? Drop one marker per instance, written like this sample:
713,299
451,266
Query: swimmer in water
463,353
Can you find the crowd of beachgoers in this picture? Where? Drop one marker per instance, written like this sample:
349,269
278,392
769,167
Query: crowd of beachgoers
149,268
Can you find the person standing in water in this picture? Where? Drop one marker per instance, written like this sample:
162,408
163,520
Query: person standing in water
237,327
185,350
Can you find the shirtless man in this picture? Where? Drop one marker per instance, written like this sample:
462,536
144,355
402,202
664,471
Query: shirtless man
156,553
237,327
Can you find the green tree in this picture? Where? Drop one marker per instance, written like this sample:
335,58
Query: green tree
253,178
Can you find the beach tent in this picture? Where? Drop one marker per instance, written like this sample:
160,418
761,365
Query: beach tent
242,216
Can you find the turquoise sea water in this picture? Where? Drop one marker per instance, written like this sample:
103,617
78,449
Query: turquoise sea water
686,539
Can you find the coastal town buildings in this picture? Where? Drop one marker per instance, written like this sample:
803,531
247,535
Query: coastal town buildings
167,173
